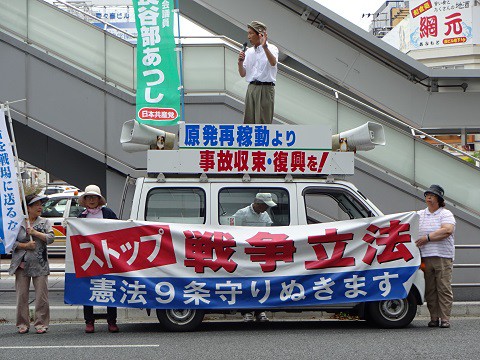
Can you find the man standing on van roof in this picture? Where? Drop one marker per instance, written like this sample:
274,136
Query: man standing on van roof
258,65
255,215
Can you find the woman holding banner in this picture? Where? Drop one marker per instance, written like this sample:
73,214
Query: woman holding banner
94,203
30,263
437,247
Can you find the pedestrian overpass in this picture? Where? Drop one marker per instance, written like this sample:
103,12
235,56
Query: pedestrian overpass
79,86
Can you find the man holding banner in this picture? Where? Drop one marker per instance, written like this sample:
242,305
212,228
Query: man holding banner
255,215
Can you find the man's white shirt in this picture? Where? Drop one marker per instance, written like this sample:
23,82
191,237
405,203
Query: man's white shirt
248,217
257,66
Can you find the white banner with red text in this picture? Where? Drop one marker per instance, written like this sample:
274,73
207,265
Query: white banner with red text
151,265
215,161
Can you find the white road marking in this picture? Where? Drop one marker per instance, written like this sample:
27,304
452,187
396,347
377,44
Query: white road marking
76,346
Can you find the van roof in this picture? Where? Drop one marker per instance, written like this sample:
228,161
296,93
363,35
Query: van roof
231,178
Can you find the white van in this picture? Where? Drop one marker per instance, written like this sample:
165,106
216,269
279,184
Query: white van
177,192
309,200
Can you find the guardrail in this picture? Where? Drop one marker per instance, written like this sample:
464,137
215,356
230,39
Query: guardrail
106,24
52,270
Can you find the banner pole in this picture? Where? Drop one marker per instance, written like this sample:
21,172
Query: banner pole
17,165
180,54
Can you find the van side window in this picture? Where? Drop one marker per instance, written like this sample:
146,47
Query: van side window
75,208
176,205
327,205
233,199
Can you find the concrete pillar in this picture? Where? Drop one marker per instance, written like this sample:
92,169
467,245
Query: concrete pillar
463,138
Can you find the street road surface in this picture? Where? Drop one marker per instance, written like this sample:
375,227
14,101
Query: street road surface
327,339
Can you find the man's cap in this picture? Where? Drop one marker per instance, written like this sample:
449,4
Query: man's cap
32,198
435,190
265,198
257,26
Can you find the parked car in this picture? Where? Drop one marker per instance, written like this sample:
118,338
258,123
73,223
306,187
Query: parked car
57,208
51,189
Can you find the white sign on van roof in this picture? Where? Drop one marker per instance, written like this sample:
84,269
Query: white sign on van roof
252,149
255,137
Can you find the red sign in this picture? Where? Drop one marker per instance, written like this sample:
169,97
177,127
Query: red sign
157,114
420,9
119,250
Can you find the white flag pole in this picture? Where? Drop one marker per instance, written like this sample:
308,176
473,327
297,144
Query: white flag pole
17,164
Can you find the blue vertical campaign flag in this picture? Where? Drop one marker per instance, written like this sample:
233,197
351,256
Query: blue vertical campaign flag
11,213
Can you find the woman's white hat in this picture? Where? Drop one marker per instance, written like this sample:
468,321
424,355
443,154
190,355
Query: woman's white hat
91,190
31,199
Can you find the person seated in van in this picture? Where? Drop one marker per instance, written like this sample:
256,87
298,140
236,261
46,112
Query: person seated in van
94,203
255,214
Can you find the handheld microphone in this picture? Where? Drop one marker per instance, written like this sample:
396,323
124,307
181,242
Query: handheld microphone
244,46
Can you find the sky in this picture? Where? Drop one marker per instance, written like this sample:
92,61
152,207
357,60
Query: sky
352,10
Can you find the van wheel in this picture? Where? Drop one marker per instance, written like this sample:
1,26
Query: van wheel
180,319
392,314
